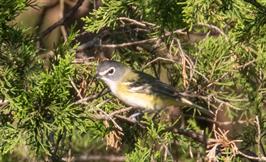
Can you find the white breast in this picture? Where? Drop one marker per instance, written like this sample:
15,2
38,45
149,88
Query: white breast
111,84
134,99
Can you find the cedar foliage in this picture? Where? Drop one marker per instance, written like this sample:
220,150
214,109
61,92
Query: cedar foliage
213,50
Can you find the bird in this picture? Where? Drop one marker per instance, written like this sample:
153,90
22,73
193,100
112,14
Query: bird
138,89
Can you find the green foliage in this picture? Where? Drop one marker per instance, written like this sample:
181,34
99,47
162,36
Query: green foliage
40,111
8,10
165,14
37,99
229,62
106,15
146,146
212,49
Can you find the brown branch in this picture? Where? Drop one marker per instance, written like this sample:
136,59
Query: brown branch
84,61
75,87
128,44
97,43
122,110
114,113
157,59
85,158
106,116
213,27
130,121
193,135
142,24
63,20
201,138
259,137
92,97
223,123
251,157
110,118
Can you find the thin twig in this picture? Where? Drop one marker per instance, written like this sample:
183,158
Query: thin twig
195,136
75,87
213,27
112,114
184,61
259,137
106,158
246,64
92,97
225,103
84,60
251,157
122,111
97,43
111,119
209,97
224,123
128,44
129,120
132,21
158,59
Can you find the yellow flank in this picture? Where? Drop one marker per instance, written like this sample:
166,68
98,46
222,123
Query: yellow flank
142,99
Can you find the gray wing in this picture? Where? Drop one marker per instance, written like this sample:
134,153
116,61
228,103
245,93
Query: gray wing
148,84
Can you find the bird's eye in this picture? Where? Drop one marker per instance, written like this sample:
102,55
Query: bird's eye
111,71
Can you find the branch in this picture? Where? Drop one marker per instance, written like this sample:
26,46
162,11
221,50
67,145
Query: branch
3,102
62,21
96,42
251,157
92,97
110,118
213,27
195,136
128,44
75,87
142,24
188,133
113,114
259,137
99,158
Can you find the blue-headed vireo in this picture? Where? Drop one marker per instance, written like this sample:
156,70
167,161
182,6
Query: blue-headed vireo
138,89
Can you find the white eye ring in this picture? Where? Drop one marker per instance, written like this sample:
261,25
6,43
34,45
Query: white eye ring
109,71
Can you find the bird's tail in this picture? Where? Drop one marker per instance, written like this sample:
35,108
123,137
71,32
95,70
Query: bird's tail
200,108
